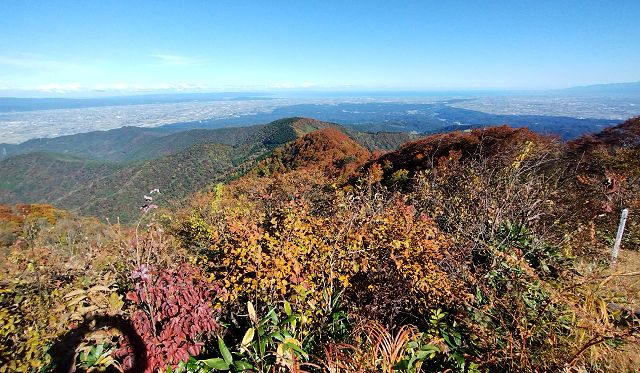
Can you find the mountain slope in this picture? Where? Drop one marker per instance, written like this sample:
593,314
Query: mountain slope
477,239
624,135
178,168
120,194
328,150
130,144
47,176
112,145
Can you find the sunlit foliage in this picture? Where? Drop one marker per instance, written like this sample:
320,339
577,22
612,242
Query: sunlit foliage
467,252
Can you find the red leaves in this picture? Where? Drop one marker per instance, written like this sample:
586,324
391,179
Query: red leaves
442,150
7,214
178,302
327,150
132,296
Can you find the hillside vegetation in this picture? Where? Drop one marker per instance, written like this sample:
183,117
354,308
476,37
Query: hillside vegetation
130,144
475,251
105,174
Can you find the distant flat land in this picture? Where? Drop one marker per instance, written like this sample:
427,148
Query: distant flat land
567,115
603,107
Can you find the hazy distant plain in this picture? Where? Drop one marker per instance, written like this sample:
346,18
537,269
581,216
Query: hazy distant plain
16,127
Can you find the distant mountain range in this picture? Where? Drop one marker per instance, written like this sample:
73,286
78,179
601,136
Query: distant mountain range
107,173
631,88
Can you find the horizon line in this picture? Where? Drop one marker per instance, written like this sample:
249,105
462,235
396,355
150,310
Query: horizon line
106,94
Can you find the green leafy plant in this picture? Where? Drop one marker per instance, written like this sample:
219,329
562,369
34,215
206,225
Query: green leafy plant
96,358
270,344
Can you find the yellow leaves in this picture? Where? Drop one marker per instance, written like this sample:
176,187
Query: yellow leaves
282,288
304,319
196,228
25,343
517,162
115,302
247,339
290,252
83,311
287,308
375,174
344,279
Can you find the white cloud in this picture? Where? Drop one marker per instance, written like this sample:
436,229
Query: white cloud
123,88
176,60
120,87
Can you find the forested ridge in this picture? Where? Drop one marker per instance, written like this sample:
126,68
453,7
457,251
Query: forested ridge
103,174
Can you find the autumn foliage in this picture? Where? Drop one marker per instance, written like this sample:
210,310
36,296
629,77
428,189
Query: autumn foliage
173,313
469,251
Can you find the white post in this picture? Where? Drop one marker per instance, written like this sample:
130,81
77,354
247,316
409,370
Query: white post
616,246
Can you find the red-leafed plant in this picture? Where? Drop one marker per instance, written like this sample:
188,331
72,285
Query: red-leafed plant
174,315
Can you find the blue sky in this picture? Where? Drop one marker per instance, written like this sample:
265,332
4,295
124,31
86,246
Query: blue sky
80,47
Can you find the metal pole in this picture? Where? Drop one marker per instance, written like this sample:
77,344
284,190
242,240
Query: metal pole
616,246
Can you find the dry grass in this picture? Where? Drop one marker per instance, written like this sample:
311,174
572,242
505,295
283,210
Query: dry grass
379,351
610,294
